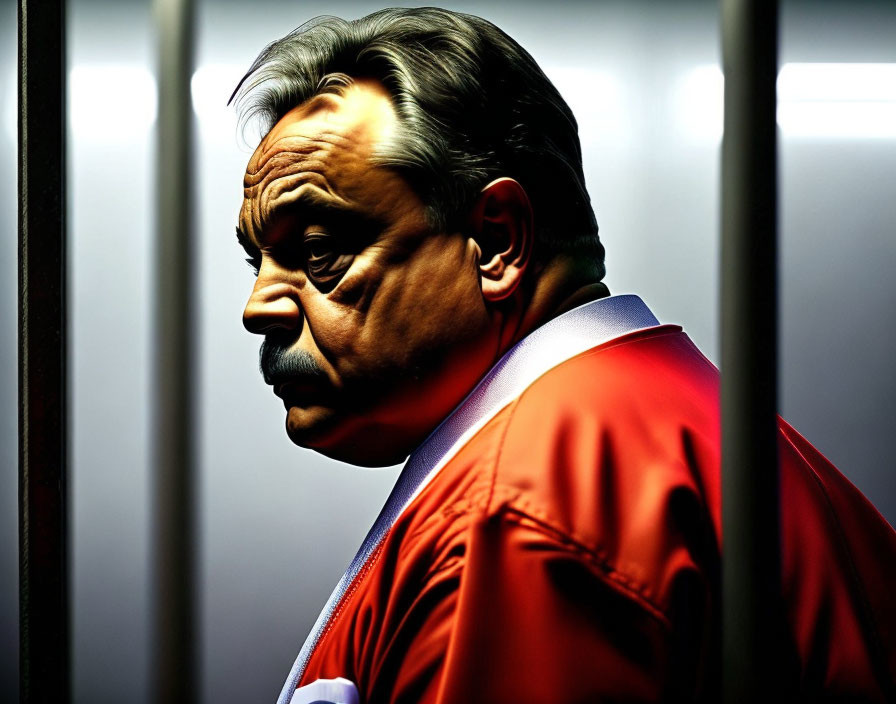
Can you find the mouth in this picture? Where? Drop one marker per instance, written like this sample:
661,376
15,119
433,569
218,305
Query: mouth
298,392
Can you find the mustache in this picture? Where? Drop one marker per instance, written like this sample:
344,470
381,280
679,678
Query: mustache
279,363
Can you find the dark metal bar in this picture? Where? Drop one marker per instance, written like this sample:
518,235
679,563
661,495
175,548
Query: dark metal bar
43,514
752,619
175,657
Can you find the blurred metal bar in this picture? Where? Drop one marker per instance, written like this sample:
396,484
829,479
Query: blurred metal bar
752,619
43,514
174,623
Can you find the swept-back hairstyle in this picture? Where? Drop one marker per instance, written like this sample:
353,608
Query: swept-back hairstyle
472,103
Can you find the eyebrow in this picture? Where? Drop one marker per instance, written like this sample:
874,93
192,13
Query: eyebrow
310,205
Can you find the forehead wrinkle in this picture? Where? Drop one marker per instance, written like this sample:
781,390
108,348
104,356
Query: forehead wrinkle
288,168
287,186
260,212
311,146
288,149
245,221
290,194
293,163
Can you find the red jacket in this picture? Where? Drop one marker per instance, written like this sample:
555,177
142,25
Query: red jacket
569,552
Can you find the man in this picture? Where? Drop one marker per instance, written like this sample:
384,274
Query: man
429,285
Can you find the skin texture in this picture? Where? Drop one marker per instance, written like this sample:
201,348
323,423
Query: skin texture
395,322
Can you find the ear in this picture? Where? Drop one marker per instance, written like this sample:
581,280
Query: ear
501,221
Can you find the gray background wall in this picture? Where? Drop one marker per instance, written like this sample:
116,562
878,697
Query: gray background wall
278,524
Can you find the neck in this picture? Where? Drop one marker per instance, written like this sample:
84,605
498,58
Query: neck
584,294
557,289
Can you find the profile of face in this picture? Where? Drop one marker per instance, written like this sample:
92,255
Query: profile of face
375,324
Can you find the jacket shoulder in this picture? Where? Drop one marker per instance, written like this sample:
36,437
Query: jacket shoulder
609,450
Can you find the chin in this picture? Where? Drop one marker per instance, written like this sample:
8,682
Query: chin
308,426
322,430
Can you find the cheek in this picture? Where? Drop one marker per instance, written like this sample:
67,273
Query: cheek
337,321
384,320
431,300
334,328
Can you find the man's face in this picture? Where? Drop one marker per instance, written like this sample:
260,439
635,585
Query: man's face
375,325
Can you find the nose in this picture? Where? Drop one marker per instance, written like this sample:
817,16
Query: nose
273,307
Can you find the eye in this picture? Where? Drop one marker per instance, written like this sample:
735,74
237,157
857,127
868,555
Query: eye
324,258
317,247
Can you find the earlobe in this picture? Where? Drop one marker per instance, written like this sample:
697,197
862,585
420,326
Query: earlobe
502,226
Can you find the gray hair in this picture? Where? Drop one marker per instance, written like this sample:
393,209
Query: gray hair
473,105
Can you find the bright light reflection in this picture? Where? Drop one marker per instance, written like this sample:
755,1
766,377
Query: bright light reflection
111,102
855,101
594,97
863,83
700,101
855,120
211,87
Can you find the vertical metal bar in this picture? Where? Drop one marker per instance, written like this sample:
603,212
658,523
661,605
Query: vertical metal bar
43,549
752,620
174,671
